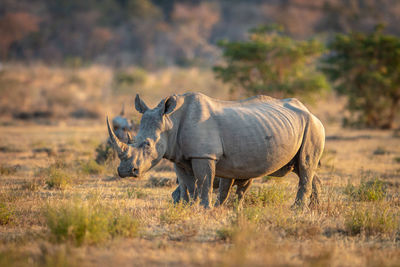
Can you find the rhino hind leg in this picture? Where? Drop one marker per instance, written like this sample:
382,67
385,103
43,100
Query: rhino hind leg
316,189
242,188
176,195
308,158
225,186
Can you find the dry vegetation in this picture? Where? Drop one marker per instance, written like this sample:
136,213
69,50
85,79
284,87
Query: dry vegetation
59,208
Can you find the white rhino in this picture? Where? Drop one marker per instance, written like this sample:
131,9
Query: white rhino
206,137
124,130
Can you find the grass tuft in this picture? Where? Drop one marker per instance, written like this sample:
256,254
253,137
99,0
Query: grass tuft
266,195
8,170
175,213
378,219
372,190
6,214
83,222
160,182
91,167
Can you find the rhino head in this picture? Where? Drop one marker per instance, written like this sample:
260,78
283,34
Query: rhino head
151,141
122,127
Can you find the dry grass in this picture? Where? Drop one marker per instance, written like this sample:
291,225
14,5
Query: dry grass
98,219
121,221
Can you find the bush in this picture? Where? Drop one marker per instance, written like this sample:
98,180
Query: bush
372,190
87,222
364,67
372,220
272,63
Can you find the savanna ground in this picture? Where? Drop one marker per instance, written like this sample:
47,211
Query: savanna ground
59,208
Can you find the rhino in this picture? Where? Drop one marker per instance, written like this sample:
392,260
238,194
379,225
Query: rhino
206,137
124,130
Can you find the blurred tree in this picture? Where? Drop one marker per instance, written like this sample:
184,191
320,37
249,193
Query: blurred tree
366,68
14,27
272,63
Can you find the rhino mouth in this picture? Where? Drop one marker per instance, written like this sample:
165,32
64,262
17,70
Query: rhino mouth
132,173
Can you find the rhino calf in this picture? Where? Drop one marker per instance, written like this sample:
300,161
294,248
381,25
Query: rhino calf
206,137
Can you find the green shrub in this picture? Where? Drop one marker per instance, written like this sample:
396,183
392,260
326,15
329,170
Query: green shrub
364,67
373,220
87,222
266,195
6,214
372,190
272,63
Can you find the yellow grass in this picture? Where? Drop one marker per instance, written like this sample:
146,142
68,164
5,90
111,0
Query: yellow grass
125,222
263,232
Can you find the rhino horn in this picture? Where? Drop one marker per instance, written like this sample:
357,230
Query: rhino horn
119,146
123,110
130,139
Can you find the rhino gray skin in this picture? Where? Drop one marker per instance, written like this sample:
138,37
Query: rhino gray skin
224,186
206,137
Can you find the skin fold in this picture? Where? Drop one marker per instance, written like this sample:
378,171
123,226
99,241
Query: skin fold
240,140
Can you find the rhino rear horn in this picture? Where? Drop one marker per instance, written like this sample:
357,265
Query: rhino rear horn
130,139
119,146
123,110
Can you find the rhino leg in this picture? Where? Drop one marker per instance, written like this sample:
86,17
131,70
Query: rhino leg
204,173
225,186
308,159
176,195
242,188
186,184
316,189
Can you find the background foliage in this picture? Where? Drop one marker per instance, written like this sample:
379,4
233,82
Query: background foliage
366,68
272,63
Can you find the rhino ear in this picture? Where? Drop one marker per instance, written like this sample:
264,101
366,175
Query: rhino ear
169,105
140,105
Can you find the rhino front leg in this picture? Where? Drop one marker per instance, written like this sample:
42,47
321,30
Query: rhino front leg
204,173
186,184
225,186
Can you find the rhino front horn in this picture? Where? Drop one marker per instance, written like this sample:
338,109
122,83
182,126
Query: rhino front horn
119,146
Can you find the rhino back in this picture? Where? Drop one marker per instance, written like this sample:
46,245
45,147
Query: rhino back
249,138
